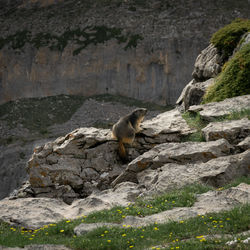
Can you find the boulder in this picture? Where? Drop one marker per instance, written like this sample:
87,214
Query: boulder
166,127
216,172
193,93
208,64
213,110
179,153
234,131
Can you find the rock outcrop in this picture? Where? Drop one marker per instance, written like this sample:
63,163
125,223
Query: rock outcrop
162,40
81,167
210,111
234,131
207,67
86,159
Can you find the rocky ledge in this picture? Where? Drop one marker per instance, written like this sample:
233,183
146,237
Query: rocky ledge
81,172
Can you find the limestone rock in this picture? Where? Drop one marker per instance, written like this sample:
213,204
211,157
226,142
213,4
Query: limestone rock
85,228
193,94
213,110
233,131
245,144
86,160
168,126
34,213
180,153
216,172
208,64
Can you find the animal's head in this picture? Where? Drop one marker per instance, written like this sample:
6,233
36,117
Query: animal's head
140,113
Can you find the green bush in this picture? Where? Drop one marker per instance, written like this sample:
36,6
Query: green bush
234,80
227,38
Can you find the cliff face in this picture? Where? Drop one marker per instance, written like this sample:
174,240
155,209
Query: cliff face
131,48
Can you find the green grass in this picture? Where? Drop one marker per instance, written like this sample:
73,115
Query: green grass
195,121
227,38
184,197
234,80
185,234
37,114
173,233
131,102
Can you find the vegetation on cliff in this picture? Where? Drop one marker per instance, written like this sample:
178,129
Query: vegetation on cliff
234,80
227,38
81,38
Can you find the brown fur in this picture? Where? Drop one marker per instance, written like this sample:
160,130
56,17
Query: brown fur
126,128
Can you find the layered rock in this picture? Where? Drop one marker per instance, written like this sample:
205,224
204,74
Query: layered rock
216,172
234,131
86,159
179,153
213,110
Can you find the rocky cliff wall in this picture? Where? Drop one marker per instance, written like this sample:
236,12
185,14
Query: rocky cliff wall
131,48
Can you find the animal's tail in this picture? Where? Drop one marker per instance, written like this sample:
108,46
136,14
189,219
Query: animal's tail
122,151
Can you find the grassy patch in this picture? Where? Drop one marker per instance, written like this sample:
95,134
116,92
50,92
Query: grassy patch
130,102
195,121
227,38
37,114
234,80
172,234
184,197
184,234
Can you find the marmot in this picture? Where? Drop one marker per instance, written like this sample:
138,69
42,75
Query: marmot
126,128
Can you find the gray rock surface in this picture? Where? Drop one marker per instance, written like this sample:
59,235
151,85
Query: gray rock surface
179,153
216,172
213,110
85,228
167,126
245,144
192,94
20,142
36,212
208,64
86,159
233,131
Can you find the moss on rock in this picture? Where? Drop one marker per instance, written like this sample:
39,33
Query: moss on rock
234,80
227,38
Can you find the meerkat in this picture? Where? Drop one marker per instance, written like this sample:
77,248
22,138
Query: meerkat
126,128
